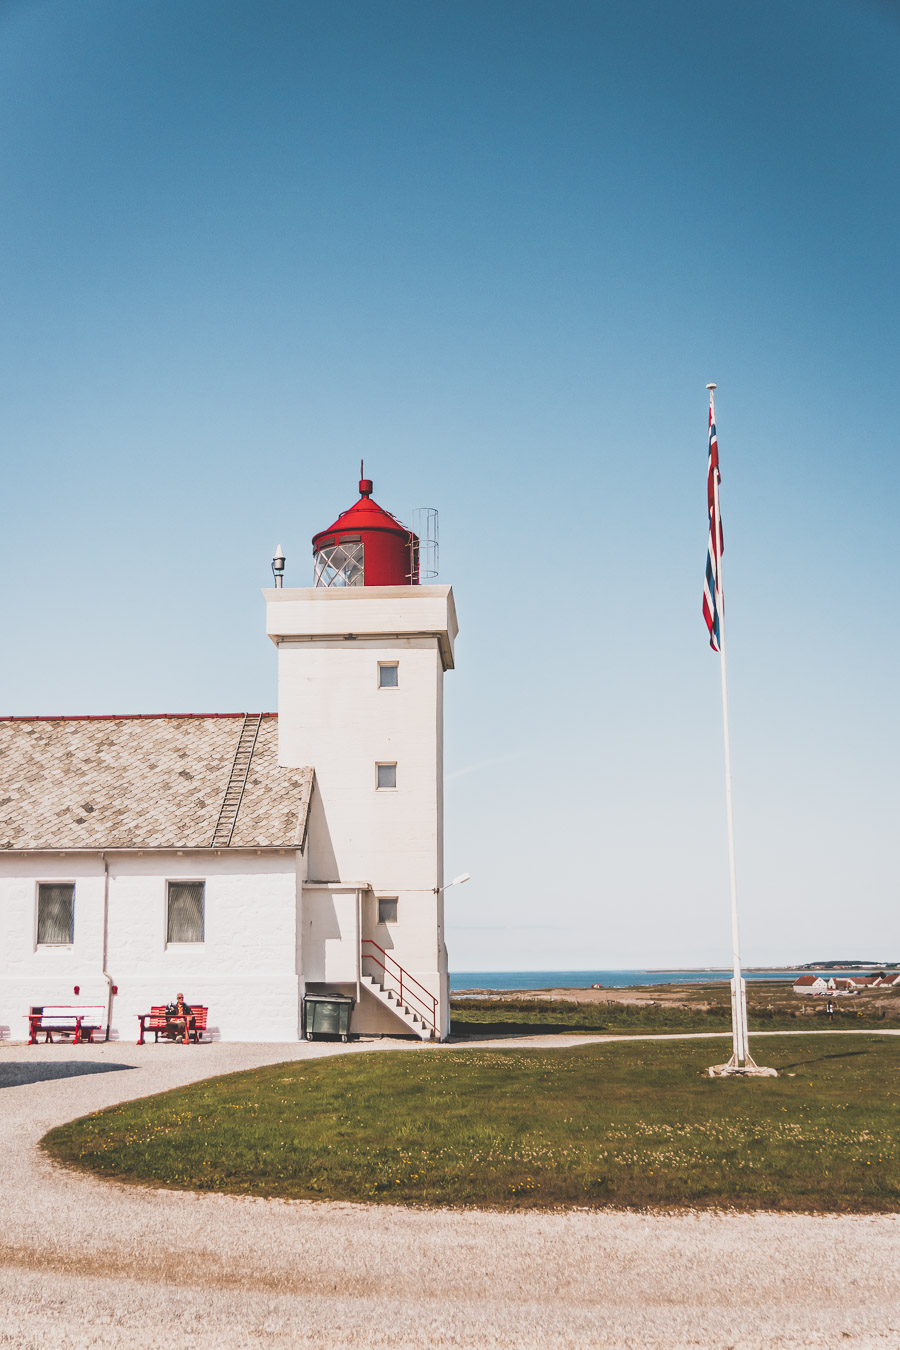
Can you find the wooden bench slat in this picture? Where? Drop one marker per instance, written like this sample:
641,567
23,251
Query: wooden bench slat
66,1020
155,1020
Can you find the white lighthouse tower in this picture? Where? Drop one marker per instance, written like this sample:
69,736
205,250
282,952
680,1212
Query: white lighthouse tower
361,661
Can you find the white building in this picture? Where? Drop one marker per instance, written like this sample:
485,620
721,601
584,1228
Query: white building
246,859
810,984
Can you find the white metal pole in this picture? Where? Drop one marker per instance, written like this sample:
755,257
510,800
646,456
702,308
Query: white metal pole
738,988
359,895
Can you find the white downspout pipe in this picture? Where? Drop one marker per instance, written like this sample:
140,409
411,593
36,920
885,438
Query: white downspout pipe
106,974
299,876
359,896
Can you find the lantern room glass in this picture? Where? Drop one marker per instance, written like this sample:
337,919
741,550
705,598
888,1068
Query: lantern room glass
341,565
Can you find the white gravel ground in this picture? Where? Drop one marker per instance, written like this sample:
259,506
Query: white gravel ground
86,1265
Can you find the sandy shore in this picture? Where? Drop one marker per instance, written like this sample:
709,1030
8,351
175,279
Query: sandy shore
642,995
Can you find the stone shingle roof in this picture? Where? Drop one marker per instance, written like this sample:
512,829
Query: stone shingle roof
142,782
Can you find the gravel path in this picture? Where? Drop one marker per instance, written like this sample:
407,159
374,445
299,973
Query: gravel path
90,1265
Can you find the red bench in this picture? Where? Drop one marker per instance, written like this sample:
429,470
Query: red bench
155,1020
62,1020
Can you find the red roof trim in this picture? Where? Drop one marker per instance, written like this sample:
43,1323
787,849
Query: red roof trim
124,717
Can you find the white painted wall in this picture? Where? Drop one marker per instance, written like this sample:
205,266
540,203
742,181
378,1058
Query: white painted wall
247,970
36,975
333,714
329,926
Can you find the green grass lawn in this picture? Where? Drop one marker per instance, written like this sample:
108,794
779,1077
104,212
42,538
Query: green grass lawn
769,1009
636,1125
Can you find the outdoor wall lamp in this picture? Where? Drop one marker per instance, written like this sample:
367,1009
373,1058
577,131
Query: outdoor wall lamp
457,881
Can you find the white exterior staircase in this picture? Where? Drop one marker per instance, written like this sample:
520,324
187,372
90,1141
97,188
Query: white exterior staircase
398,991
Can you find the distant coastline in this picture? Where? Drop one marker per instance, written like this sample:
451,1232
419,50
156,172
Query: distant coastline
506,980
848,965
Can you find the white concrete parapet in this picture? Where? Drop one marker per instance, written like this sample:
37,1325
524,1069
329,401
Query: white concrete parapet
310,612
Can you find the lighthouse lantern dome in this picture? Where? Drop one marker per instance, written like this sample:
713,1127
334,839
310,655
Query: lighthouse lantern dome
366,546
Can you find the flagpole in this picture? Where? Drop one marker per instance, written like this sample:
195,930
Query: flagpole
738,988
741,1060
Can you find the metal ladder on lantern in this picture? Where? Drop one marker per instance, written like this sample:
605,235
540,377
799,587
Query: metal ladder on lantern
237,781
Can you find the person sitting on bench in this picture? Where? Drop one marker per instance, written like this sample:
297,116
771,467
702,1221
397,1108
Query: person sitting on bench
180,1020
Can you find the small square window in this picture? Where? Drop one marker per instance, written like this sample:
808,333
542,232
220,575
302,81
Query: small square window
388,675
387,909
56,915
387,775
185,911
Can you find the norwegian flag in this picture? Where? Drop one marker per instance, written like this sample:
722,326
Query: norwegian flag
713,602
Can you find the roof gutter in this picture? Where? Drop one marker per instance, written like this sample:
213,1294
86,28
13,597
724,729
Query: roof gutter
62,850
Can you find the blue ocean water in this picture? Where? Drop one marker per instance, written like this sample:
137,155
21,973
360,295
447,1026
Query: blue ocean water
611,979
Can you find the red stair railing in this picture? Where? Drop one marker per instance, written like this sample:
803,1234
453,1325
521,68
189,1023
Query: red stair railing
404,984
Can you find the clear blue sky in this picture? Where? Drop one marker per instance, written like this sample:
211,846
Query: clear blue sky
498,250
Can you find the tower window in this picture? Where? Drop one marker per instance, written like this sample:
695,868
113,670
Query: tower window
387,909
185,919
56,915
386,776
388,675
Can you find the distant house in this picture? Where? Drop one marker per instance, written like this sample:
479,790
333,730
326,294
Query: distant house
810,984
891,979
852,984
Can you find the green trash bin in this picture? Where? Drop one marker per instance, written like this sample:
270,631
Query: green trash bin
327,1015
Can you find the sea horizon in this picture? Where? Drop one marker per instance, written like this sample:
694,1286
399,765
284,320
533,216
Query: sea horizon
505,980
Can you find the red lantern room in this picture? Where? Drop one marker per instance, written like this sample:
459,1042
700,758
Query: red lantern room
366,546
